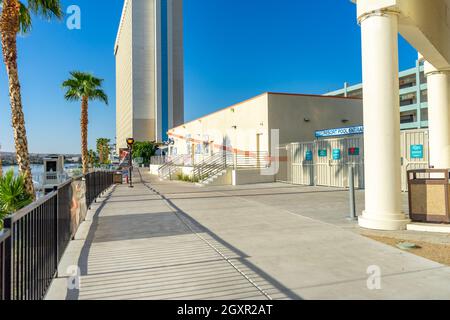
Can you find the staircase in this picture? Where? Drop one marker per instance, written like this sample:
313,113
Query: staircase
170,168
211,168
214,167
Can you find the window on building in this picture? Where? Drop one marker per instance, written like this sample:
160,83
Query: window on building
424,114
423,78
424,96
408,99
408,81
188,144
408,117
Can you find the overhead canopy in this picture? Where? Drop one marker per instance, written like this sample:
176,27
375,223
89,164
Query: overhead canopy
424,24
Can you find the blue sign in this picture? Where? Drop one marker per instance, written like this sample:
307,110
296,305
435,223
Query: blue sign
309,155
323,153
416,151
339,132
336,154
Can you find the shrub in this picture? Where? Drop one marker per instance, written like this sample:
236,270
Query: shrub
186,178
13,195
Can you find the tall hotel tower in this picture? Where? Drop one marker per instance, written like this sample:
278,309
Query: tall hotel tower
149,70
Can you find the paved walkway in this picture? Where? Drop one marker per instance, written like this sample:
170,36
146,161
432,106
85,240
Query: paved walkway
172,240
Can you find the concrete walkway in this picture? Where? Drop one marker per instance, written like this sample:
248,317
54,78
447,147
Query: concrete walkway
268,241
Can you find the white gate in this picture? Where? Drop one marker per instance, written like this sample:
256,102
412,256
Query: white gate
323,162
301,159
414,152
334,157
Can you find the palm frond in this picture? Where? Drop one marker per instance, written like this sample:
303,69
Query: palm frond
13,195
24,19
100,95
47,9
82,84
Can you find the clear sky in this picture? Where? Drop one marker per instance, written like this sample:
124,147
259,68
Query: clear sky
234,49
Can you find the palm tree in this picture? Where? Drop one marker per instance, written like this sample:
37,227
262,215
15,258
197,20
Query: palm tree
92,158
85,87
103,149
16,17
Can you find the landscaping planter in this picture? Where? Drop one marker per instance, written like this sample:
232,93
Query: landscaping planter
429,195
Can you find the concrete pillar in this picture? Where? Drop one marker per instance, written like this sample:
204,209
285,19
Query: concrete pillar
381,122
438,116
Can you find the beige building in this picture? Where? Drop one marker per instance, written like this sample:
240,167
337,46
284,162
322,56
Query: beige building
149,70
251,126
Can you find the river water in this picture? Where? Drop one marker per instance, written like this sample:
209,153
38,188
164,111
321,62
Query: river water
36,170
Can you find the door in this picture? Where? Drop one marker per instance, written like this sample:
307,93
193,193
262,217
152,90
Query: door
301,158
354,155
414,153
323,165
335,156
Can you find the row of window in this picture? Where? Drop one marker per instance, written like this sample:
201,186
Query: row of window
411,116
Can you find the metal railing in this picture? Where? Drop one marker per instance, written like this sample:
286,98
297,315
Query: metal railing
158,160
167,169
251,159
210,167
34,239
219,162
95,184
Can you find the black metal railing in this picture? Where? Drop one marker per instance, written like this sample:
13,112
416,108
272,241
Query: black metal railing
34,239
95,184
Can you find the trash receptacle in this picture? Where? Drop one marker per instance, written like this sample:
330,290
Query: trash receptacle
429,196
117,179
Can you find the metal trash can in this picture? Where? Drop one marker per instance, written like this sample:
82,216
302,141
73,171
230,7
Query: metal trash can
429,196
117,177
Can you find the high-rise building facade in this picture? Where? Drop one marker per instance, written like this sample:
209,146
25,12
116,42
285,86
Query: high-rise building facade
149,70
413,97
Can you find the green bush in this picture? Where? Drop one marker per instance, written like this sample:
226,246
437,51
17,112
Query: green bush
186,178
13,195
144,150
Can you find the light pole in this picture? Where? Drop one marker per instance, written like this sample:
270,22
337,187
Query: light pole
130,142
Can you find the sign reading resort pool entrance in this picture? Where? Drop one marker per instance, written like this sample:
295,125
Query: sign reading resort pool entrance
309,155
323,153
340,132
416,151
336,154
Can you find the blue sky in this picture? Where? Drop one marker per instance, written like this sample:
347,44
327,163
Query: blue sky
234,50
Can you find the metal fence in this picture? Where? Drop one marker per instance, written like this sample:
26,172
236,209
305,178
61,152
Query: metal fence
34,239
325,162
159,160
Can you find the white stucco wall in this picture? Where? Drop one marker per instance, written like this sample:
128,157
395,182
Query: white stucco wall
257,116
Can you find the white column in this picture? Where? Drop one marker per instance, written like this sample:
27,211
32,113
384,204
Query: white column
381,122
438,116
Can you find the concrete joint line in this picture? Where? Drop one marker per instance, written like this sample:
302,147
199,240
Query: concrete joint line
224,257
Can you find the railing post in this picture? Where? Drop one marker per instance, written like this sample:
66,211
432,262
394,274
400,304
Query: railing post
351,187
56,225
8,263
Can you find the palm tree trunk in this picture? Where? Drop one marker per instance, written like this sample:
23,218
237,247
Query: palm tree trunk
9,25
84,134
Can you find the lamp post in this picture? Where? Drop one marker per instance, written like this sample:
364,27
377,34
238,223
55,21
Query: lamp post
130,142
